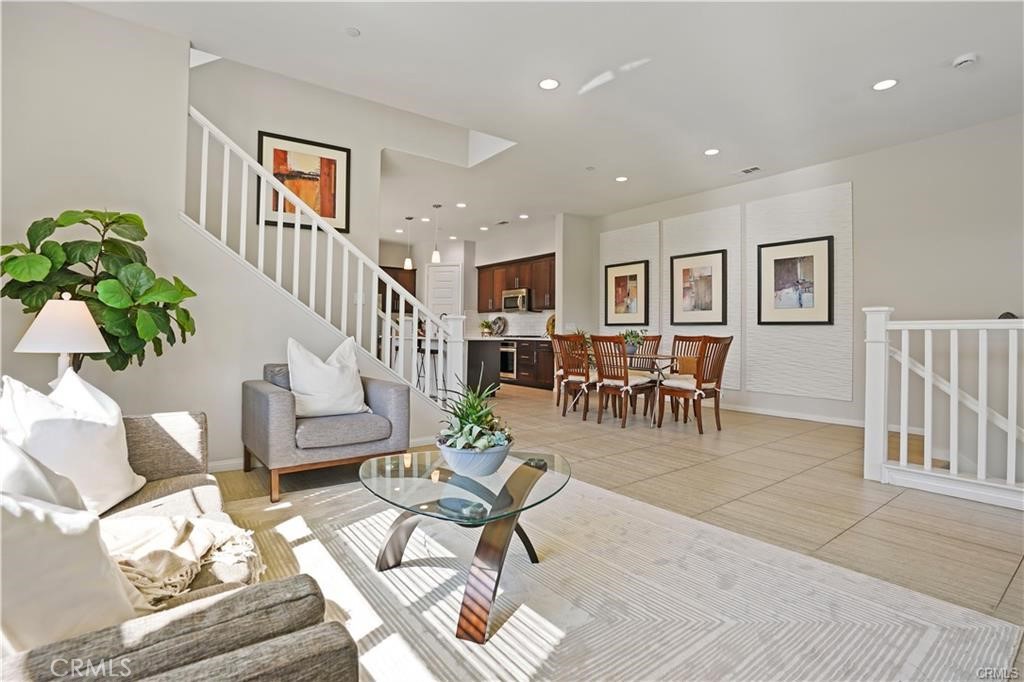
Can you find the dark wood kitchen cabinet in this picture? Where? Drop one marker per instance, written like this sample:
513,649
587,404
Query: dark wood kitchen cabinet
536,273
407,278
535,364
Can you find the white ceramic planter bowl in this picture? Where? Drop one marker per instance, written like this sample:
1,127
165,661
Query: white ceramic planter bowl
475,462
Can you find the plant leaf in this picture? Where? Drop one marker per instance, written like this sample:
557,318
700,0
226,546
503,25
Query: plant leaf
158,346
184,289
112,320
112,263
136,278
119,247
185,321
81,251
103,217
40,230
131,344
129,226
145,325
64,278
162,291
71,217
30,267
36,295
114,294
118,361
11,248
55,252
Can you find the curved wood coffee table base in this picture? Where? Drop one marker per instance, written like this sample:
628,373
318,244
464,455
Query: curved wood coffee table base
485,571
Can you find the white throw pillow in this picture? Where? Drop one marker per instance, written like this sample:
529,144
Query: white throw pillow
57,579
324,388
22,474
77,431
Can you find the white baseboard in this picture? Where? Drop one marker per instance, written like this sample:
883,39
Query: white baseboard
217,465
795,415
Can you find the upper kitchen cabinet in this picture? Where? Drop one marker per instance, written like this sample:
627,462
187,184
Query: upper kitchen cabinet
536,274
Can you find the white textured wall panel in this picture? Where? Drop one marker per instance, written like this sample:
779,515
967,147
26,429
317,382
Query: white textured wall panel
695,233
816,360
629,244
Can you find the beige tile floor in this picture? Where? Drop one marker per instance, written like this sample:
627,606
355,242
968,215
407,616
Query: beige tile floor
793,483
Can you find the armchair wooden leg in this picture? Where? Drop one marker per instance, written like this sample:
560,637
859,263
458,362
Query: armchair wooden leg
558,397
246,459
686,410
661,410
675,408
718,418
632,401
601,398
625,400
275,486
696,414
586,404
565,405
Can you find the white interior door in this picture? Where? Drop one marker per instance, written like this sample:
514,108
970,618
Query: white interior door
444,289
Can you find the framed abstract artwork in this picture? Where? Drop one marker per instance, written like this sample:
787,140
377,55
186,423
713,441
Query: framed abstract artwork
626,298
318,173
794,282
697,288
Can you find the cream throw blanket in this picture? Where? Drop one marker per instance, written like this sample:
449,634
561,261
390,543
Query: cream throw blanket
162,555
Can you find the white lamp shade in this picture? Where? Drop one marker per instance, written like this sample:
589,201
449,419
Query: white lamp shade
407,265
63,326
435,257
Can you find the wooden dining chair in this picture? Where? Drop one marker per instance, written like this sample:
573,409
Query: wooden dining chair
706,382
575,379
614,380
649,346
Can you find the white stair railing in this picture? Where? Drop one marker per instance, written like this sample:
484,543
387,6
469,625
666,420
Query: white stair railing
992,474
320,269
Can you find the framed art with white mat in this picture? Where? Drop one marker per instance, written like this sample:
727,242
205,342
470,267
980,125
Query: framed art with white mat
318,173
626,297
795,282
697,287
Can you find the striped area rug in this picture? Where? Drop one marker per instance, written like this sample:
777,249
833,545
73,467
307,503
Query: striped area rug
624,591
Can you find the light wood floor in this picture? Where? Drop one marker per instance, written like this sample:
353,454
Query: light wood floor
796,484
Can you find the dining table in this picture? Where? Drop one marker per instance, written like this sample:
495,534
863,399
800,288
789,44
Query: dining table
657,363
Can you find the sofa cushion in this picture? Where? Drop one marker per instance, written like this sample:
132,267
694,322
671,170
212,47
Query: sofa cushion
278,375
189,495
345,429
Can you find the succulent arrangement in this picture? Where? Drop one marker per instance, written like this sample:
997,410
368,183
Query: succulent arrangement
486,327
472,424
633,337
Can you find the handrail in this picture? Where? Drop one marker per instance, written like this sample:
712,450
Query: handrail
920,325
326,227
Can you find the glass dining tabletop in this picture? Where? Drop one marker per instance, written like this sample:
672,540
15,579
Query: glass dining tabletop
423,484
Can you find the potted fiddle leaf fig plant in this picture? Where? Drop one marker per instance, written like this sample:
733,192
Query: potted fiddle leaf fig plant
132,306
633,339
475,442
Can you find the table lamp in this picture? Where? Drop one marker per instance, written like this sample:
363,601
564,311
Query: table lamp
63,327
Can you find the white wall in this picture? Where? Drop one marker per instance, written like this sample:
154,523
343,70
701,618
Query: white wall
937,229
508,242
97,119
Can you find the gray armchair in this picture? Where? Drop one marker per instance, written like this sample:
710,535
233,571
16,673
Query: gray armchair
284,443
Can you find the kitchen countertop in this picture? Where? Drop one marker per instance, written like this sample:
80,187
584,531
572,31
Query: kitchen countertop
507,338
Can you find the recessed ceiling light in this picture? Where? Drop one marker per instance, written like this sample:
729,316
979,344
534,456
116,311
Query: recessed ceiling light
548,84
399,230
484,228
590,168
452,237
523,216
460,205
621,178
353,32
885,85
424,220
711,152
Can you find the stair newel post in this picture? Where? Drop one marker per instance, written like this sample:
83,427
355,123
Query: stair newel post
876,388
455,366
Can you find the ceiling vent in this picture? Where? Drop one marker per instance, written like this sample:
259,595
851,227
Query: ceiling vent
750,170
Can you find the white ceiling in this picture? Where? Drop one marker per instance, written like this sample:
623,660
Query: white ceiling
780,86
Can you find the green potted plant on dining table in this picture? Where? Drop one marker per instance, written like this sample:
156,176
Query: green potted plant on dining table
633,338
475,441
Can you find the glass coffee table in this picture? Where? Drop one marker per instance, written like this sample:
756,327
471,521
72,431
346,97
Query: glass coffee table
422,485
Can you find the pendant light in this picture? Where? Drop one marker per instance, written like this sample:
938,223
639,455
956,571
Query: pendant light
407,265
435,257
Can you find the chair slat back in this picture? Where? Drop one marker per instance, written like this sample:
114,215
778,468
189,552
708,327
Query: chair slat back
711,362
685,345
610,355
649,346
571,351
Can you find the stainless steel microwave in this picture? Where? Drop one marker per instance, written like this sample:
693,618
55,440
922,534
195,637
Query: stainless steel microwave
515,300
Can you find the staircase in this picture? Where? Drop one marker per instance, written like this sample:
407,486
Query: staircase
316,267
977,458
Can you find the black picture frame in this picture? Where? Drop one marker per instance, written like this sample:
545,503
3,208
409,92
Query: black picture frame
830,241
724,253
263,134
647,293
